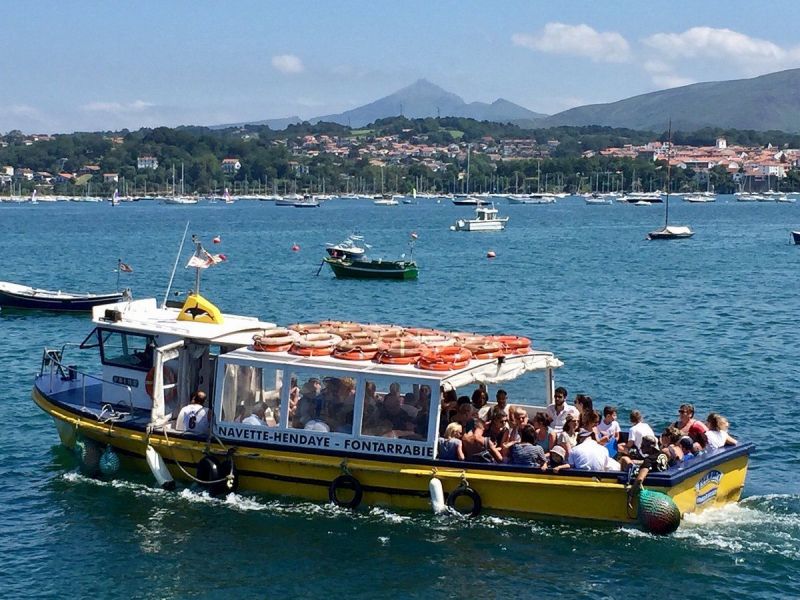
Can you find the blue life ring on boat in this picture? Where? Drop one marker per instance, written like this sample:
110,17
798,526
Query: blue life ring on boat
345,482
474,497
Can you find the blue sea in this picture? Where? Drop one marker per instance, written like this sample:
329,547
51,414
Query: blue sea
712,320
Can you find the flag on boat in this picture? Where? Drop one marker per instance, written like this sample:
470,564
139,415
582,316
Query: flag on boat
125,268
202,259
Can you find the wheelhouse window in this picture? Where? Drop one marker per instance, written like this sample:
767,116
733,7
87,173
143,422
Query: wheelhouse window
123,349
319,402
396,409
251,395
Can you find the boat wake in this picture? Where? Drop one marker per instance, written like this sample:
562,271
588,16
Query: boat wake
763,524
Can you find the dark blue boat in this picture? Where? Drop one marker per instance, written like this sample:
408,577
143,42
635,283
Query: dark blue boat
13,295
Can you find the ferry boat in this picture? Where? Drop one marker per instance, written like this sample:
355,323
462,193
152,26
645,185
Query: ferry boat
332,411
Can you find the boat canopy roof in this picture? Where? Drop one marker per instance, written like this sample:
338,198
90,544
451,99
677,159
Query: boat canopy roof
144,316
494,370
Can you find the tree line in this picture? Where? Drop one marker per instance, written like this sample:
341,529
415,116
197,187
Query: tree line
269,165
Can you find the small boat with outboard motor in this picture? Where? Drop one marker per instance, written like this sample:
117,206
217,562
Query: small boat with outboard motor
332,411
347,260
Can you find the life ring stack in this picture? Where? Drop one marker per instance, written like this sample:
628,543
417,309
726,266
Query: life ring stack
315,344
279,339
428,349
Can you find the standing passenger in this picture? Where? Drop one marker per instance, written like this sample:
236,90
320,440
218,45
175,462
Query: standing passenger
559,410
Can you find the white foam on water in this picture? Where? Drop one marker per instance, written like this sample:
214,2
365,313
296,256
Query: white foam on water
386,515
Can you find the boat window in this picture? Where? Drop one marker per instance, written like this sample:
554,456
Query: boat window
322,403
251,395
129,350
396,409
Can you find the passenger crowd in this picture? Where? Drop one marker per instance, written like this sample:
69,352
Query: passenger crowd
570,436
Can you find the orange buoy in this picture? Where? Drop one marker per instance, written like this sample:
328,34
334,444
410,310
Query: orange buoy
295,248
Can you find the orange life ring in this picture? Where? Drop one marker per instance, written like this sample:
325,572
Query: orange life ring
436,341
169,379
274,340
402,348
514,344
315,344
391,333
385,358
356,353
363,344
448,358
487,350
441,365
307,328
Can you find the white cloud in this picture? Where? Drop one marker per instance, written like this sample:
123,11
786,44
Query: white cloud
708,44
137,106
23,110
288,63
577,40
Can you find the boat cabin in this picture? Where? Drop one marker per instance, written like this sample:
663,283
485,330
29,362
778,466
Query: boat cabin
152,362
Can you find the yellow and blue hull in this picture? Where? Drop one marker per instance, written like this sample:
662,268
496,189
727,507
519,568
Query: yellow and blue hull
405,483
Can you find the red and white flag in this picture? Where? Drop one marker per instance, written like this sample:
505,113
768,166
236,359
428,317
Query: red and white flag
201,259
125,268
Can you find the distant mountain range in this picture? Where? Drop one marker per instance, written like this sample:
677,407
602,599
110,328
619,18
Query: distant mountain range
761,103
419,100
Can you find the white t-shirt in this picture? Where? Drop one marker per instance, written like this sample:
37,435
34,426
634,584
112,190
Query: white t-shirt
558,418
608,430
638,431
591,456
192,418
716,439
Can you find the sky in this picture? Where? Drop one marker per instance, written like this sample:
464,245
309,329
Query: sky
100,65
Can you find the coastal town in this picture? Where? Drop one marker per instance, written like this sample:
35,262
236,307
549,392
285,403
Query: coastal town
371,162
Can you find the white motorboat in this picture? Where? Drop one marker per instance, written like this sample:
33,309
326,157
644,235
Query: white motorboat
699,198
531,198
486,219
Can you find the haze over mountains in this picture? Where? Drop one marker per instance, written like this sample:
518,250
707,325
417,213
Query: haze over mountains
762,103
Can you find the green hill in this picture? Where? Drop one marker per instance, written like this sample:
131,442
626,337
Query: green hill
768,102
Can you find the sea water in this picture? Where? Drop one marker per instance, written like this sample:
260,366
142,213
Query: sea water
648,325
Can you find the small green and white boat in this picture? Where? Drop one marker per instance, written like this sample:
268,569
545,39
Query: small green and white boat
354,268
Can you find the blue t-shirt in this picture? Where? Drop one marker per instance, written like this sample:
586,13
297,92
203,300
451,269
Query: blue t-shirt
447,448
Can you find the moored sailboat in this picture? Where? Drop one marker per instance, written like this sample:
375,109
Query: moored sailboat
670,232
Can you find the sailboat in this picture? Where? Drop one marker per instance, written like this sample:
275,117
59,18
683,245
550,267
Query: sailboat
670,232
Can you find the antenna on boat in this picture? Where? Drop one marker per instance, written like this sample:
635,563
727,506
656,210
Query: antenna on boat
175,266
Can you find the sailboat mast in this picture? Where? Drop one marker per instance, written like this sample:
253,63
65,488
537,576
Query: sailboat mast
669,172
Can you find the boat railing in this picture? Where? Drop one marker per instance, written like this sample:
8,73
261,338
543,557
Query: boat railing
53,364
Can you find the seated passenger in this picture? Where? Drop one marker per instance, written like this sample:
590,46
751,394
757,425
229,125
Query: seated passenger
545,436
527,452
448,407
585,407
257,416
588,455
568,438
636,433
498,427
479,448
194,416
464,414
317,425
717,434
654,459
502,403
690,426
480,401
449,447
559,410
557,459
670,445
608,430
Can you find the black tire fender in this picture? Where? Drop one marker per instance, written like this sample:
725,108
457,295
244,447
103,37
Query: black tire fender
477,503
346,482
